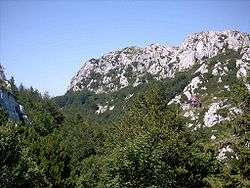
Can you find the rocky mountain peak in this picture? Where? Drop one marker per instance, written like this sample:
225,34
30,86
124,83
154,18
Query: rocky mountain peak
132,65
8,101
2,75
4,84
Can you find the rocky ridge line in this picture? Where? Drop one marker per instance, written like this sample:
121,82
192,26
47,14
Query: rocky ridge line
130,66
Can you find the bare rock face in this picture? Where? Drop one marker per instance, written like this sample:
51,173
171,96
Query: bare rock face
129,66
216,59
8,101
2,76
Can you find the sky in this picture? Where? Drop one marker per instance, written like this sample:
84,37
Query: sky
43,43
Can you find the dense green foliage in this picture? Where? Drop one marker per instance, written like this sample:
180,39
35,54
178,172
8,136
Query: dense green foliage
3,117
149,145
86,102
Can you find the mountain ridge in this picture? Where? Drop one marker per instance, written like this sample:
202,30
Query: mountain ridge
128,66
207,66
8,101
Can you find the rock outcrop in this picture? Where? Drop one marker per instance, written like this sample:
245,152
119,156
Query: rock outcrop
215,60
130,66
8,101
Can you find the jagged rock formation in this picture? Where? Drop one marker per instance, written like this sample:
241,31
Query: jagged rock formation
216,60
2,75
3,82
130,66
8,101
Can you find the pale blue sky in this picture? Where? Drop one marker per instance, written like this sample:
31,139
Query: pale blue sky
44,43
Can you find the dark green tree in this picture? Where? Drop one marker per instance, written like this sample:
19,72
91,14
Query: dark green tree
3,117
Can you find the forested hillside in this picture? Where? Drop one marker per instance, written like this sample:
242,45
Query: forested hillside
149,117
149,146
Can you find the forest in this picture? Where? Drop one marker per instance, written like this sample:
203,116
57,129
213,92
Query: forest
147,145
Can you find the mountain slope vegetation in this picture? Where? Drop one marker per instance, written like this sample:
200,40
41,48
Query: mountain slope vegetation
150,146
181,120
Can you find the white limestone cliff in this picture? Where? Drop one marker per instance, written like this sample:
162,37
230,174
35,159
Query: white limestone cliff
160,61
